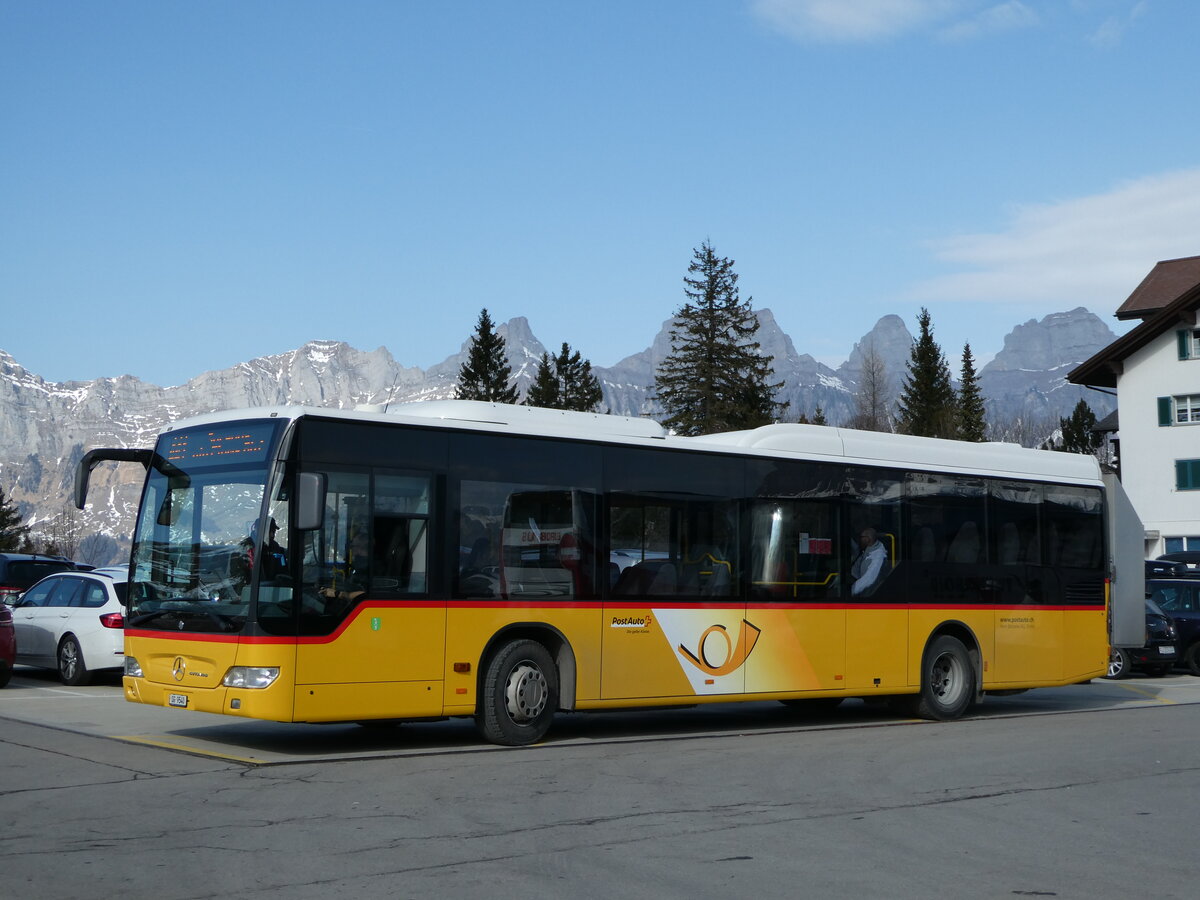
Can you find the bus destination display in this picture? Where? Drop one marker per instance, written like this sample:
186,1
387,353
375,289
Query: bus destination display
240,442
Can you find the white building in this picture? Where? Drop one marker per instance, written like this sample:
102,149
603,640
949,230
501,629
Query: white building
1155,369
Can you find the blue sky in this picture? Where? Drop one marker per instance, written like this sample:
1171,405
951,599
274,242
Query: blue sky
185,186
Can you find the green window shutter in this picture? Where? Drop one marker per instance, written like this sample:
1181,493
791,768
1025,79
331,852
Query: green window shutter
1164,411
1184,338
1187,474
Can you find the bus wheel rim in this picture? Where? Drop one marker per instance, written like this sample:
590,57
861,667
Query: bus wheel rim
525,693
946,677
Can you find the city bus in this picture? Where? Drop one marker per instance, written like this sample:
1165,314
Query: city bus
505,563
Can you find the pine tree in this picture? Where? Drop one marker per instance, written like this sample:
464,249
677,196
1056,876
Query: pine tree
565,382
819,417
928,406
486,373
1077,433
580,389
715,378
544,391
972,426
12,532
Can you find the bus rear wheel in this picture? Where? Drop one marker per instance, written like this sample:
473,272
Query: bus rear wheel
519,695
947,680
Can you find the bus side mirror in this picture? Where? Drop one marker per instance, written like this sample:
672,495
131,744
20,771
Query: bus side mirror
310,501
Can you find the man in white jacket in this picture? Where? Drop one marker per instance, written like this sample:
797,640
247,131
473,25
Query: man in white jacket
867,570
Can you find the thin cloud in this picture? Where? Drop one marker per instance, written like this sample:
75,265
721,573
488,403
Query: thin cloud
1091,250
1007,16
1112,30
850,21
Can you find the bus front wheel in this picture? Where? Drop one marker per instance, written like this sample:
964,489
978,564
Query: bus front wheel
519,696
947,680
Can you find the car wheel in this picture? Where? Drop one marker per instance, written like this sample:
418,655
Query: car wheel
1118,664
947,680
5,673
519,695
71,667
1191,659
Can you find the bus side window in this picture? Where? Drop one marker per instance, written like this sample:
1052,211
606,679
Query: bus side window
336,559
401,534
674,547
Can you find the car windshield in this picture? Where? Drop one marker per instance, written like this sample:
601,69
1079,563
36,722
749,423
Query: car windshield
196,529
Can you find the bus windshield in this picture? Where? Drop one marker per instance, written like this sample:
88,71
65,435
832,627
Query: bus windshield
197,531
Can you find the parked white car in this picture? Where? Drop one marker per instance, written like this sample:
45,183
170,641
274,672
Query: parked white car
73,622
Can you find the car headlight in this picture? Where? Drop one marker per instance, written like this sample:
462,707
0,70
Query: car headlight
250,676
133,668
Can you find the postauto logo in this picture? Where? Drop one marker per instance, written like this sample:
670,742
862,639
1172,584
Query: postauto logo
717,654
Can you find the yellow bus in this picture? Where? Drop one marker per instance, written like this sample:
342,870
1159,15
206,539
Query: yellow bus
506,563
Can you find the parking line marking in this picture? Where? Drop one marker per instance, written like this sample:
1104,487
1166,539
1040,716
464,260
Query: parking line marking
1148,694
184,748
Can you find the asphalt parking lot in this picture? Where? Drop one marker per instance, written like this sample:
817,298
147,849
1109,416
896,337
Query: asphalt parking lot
37,697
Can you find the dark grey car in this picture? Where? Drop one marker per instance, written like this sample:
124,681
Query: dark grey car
21,571
1180,599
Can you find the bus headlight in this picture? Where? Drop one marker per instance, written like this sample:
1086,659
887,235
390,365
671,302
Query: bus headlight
250,676
133,668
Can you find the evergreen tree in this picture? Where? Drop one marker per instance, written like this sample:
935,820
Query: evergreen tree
566,382
486,373
12,532
1077,434
544,391
819,417
715,378
580,388
972,426
928,406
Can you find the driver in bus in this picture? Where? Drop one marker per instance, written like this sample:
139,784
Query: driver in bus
355,571
867,570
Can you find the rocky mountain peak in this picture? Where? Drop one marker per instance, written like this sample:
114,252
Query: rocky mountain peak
1065,339
890,340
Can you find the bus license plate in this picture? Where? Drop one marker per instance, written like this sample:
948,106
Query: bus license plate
177,699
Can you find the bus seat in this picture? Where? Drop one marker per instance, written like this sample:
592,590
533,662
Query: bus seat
720,581
397,558
1008,551
889,541
924,546
664,580
965,546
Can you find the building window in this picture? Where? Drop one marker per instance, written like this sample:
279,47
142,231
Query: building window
1180,410
1178,544
1189,343
1187,474
1187,409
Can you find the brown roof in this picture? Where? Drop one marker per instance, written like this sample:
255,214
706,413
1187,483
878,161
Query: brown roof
1102,369
1165,283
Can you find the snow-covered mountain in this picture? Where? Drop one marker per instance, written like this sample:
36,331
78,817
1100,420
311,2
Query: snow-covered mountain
45,427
